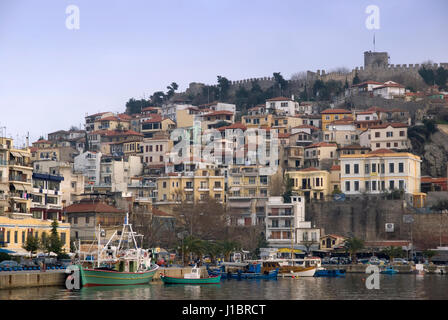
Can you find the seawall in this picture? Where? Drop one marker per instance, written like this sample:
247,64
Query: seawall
21,279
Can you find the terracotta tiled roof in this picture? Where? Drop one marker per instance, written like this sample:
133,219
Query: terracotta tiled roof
97,114
322,144
336,111
379,151
376,109
306,126
310,169
389,85
117,133
160,213
92,206
284,135
353,147
112,118
392,124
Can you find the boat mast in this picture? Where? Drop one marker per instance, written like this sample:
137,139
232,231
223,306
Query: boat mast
99,238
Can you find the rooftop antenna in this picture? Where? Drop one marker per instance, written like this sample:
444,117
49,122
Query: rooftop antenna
374,42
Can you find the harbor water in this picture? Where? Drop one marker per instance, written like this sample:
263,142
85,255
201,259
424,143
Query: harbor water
351,287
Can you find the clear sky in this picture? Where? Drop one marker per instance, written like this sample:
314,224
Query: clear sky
52,76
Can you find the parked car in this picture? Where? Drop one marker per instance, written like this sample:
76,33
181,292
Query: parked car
334,260
9,264
326,260
400,261
363,261
383,261
374,260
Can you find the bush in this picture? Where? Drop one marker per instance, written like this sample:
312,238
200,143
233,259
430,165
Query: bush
4,256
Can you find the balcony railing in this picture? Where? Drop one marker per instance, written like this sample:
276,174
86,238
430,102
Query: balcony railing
19,179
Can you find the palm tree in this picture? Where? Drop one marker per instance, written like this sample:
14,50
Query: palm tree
429,254
227,247
353,245
393,252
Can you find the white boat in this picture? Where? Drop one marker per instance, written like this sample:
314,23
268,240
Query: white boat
195,273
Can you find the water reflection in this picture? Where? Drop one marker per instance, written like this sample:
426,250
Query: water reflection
352,287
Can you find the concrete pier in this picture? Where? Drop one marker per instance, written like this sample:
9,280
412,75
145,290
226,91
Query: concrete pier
27,279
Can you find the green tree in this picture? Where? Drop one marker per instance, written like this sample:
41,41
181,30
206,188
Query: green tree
289,184
280,83
223,86
157,98
440,77
429,254
171,90
31,244
135,106
393,252
55,243
356,79
427,74
228,246
353,246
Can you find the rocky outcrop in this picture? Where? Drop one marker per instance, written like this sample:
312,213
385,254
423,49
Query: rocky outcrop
434,153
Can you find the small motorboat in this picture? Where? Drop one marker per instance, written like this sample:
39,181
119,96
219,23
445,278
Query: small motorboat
389,270
191,278
254,271
302,272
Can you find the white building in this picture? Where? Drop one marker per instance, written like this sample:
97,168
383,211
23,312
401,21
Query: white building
88,163
282,104
388,135
286,225
380,171
389,90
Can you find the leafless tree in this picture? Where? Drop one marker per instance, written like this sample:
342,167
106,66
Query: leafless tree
298,76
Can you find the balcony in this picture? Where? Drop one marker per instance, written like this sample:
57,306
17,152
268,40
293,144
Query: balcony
19,178
3,163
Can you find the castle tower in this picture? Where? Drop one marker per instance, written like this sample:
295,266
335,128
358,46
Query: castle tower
375,59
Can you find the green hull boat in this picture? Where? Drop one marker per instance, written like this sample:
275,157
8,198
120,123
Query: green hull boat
173,280
98,277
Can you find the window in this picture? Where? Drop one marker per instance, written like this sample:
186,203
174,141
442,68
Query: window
389,134
388,144
373,185
62,234
347,185
150,148
161,158
161,148
87,220
251,180
347,169
16,236
378,145
401,167
356,186
367,168
401,133
395,144
377,134
367,186
164,184
373,167
391,185
391,168
382,168
383,185
401,184
217,184
356,168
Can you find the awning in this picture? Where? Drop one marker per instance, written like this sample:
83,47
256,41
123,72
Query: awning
6,251
16,154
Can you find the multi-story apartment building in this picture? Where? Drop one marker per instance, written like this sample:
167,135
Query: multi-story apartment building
121,121
88,164
311,183
156,124
386,136
190,186
47,197
286,225
90,120
247,193
389,90
156,150
72,186
321,155
380,171
331,115
16,221
342,132
283,105
215,118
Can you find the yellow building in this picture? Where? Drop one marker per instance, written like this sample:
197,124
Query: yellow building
185,117
247,182
330,115
14,232
311,183
380,171
189,186
112,123
156,124
256,120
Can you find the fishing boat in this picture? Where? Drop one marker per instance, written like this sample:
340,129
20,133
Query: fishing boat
295,267
119,262
389,270
246,271
321,272
191,278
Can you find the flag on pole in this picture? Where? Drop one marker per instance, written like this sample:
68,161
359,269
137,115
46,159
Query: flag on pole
373,42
